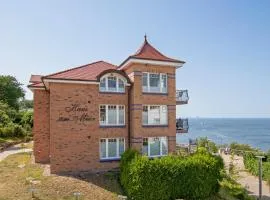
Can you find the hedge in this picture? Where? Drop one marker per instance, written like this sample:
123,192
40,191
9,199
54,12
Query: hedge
252,165
170,177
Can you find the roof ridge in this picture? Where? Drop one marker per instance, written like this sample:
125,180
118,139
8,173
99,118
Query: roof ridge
147,43
78,67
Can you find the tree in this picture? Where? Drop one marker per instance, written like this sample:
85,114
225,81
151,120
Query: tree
10,91
26,104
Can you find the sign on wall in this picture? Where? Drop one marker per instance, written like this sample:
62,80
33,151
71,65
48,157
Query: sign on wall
77,113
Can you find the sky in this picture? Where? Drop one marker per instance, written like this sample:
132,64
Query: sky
225,44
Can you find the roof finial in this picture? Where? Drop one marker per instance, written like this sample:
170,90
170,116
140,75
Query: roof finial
145,37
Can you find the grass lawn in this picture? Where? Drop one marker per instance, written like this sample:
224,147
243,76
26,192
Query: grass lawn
18,174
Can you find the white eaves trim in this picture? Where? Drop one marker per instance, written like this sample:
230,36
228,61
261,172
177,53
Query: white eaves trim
152,62
69,81
73,81
36,88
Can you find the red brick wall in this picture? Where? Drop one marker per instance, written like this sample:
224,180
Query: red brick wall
75,144
139,98
41,129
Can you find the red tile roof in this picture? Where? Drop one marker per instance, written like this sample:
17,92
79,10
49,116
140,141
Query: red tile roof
36,85
88,72
35,79
147,51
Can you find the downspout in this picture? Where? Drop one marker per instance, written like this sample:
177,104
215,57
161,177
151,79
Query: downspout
129,116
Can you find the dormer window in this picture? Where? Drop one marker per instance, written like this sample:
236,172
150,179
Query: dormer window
112,83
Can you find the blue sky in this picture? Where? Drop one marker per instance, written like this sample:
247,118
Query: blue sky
226,45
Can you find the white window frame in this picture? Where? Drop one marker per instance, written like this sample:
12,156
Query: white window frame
148,90
117,115
160,110
117,83
118,156
161,148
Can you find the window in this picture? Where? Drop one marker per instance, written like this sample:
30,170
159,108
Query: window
155,115
154,82
121,85
155,146
112,115
112,84
111,148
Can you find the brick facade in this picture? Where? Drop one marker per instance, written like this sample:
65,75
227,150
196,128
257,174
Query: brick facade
138,99
67,130
41,129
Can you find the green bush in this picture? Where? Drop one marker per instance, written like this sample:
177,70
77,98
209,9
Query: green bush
14,123
234,189
12,130
170,177
252,165
27,119
207,144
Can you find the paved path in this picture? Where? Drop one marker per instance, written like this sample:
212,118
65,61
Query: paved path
251,183
13,150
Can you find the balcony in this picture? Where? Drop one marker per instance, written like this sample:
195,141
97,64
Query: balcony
182,97
182,126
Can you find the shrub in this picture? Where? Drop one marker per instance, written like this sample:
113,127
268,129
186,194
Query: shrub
252,165
170,177
12,130
27,119
208,144
4,118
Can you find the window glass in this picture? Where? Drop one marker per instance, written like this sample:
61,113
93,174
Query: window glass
112,148
121,86
145,146
154,146
121,116
102,84
145,82
112,116
154,83
102,113
164,83
121,146
157,82
112,83
103,148
163,115
145,115
153,115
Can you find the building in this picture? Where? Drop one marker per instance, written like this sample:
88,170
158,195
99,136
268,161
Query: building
85,117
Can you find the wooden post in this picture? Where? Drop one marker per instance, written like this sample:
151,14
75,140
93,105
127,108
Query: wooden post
260,175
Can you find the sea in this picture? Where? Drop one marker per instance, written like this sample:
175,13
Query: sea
255,132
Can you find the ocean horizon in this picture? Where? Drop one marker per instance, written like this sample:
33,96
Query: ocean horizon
252,131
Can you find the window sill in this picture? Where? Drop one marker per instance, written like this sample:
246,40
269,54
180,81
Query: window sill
112,126
111,92
155,93
153,125
109,159
153,157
